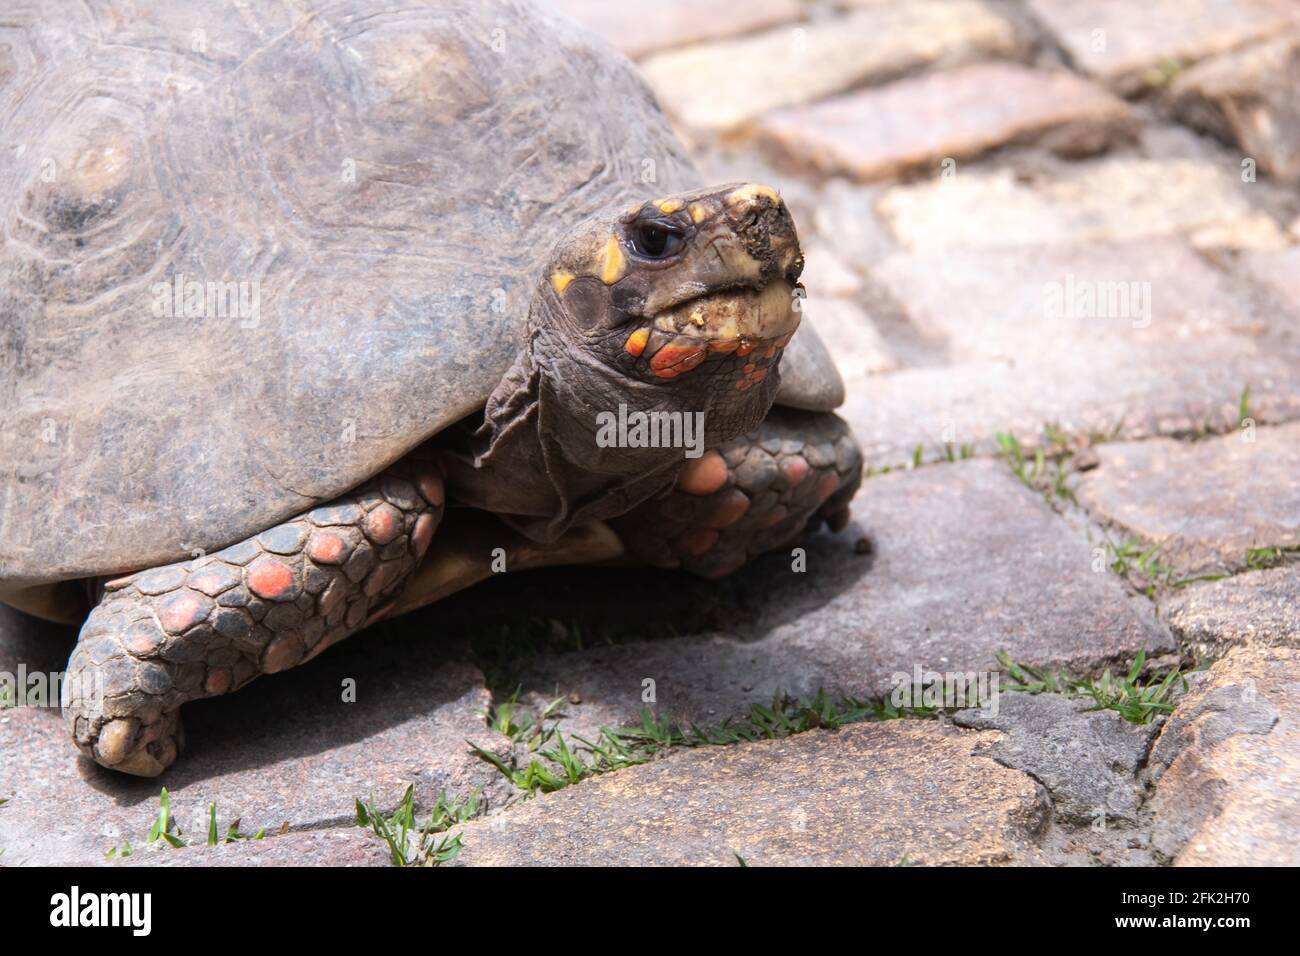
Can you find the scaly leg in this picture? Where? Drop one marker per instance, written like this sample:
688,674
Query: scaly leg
172,634
753,494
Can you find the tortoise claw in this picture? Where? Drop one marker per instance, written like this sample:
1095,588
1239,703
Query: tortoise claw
126,745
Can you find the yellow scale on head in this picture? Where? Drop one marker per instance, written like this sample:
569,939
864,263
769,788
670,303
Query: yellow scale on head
635,344
611,269
560,281
753,191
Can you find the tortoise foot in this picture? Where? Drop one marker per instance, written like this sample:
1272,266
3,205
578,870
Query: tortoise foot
755,493
168,635
141,749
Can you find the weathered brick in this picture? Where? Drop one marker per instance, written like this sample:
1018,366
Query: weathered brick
1108,200
921,121
1132,46
1207,503
638,31
1227,765
720,86
846,798
993,358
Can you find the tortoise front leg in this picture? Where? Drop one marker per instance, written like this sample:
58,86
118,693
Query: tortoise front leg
752,494
201,628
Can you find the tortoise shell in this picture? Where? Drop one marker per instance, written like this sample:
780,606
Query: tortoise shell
252,255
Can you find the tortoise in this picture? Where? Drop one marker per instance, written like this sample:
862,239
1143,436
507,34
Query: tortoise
315,312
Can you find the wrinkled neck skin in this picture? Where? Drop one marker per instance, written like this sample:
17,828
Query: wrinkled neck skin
535,461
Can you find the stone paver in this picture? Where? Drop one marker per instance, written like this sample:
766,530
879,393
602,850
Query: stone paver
1109,200
825,274
1227,765
959,113
637,31
1209,502
285,749
847,217
1248,98
1137,45
1087,760
1032,303
867,795
1095,392
1013,343
721,86
1259,608
1277,270
966,561
1250,233
345,847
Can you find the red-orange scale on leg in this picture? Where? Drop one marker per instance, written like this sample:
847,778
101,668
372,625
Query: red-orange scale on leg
383,524
269,579
430,485
698,541
422,535
180,611
325,547
729,509
218,681
704,475
794,469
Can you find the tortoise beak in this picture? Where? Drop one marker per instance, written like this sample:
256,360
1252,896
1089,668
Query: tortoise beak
736,315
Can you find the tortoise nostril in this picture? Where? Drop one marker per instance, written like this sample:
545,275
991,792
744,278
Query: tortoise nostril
768,225
769,237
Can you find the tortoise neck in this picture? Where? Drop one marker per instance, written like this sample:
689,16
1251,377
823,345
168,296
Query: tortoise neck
540,460
566,439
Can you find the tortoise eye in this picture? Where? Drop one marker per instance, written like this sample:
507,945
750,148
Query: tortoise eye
654,240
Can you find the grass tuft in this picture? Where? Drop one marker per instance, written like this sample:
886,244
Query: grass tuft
1134,700
1140,564
1261,559
554,762
1047,471
412,846
165,829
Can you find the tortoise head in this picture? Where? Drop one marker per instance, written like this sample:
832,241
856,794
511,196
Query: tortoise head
677,310
693,294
